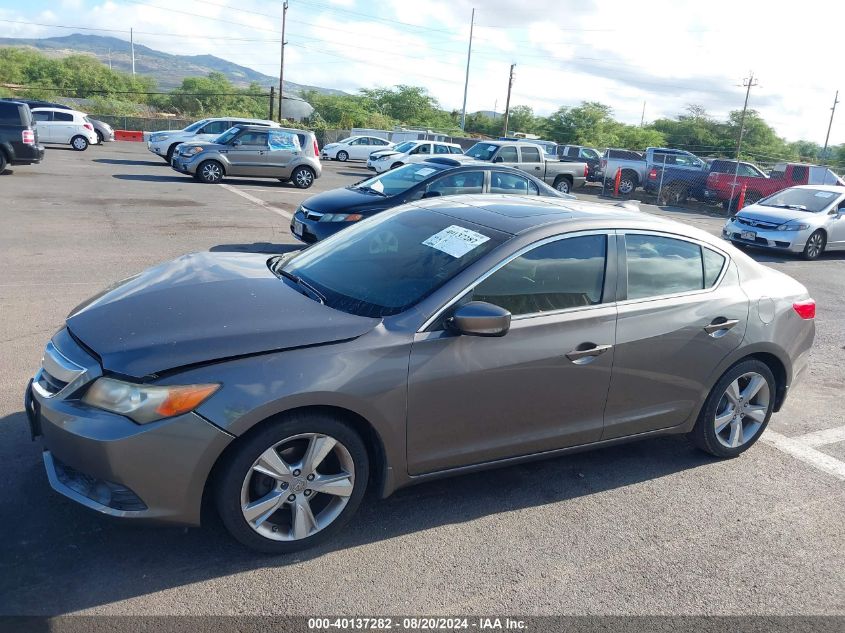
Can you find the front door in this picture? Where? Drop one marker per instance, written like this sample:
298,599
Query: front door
540,387
684,313
836,228
248,155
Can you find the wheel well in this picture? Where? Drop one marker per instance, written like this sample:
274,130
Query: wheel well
778,371
371,438
172,148
308,167
632,174
566,177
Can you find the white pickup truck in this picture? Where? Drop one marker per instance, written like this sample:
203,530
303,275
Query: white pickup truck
530,158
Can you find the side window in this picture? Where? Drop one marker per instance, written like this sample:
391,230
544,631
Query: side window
590,154
531,155
281,140
41,116
745,170
441,149
841,206
463,182
799,173
713,264
504,182
425,148
568,273
508,154
455,150
662,266
377,141
215,127
253,139
65,117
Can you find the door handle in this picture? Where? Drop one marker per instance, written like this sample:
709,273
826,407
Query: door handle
720,324
586,355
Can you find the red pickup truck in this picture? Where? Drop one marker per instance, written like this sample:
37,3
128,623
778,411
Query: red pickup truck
726,187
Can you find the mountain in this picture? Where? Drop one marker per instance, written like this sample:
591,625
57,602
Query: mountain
168,70
489,114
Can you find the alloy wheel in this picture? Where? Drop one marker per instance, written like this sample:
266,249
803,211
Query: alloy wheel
303,178
626,186
211,172
815,244
742,410
298,487
563,186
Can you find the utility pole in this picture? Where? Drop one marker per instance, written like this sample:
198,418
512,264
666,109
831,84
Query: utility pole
110,59
642,118
466,81
282,64
748,84
508,101
132,45
272,101
830,125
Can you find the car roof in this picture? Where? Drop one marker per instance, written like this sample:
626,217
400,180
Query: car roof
64,110
264,128
516,214
832,188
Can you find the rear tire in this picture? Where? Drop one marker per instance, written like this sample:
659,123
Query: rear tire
674,194
342,156
79,143
814,247
627,183
100,139
735,415
280,449
210,172
302,177
563,185
3,162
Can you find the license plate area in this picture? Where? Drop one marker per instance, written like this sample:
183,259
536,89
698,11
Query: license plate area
297,228
748,235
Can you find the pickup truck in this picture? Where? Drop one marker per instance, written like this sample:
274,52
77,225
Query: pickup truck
579,153
676,184
636,167
529,158
726,187
18,138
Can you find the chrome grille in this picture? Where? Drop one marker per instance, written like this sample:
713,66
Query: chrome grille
59,374
757,223
313,215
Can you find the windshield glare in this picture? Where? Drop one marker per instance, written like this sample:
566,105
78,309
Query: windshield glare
193,127
404,147
813,200
482,151
398,180
227,136
390,262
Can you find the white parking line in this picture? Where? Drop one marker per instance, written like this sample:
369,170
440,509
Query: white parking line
828,436
257,201
801,449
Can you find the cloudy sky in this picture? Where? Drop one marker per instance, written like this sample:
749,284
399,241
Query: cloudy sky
664,53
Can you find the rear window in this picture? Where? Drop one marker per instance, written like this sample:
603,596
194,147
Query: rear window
62,116
13,114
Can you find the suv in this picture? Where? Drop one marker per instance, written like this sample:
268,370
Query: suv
18,140
164,143
64,127
253,151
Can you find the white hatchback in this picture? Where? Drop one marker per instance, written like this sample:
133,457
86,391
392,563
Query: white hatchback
355,148
410,152
64,127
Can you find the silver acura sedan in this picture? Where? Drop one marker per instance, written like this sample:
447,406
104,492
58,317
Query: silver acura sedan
807,219
441,337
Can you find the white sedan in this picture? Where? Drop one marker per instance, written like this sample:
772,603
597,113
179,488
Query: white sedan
354,148
410,152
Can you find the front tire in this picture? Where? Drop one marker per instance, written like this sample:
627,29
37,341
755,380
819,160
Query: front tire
292,484
170,151
79,143
100,139
737,410
395,165
210,172
302,177
342,156
814,246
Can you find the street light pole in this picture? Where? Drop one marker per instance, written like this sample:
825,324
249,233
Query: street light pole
830,125
466,81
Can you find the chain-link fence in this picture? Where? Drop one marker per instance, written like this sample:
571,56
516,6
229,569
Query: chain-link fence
142,123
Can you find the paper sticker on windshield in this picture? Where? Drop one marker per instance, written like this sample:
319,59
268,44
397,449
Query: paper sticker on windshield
824,194
377,186
425,171
456,240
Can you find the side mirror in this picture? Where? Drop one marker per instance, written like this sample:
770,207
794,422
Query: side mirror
432,194
479,318
498,159
236,143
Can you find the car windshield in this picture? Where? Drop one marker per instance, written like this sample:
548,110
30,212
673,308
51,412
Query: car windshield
227,136
346,140
193,127
389,263
482,151
397,180
811,200
405,147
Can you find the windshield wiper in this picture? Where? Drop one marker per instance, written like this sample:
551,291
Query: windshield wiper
796,207
308,288
376,191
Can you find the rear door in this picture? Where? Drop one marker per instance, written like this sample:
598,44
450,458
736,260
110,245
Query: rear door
510,183
531,160
248,155
681,311
64,127
283,147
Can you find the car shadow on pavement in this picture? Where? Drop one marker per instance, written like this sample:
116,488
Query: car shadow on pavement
257,247
57,557
152,178
769,257
120,161
357,174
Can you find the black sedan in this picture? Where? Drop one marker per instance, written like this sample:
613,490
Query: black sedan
327,213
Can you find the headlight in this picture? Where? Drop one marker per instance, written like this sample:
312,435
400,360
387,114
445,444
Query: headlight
341,217
145,403
793,227
192,151
159,137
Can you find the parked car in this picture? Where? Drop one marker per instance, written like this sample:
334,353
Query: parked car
726,187
354,148
634,167
808,219
253,151
550,148
441,337
579,153
164,143
530,158
410,152
331,211
18,138
104,131
64,127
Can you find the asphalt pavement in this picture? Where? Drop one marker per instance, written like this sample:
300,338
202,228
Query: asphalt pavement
653,527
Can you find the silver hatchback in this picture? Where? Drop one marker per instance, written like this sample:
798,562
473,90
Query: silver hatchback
289,155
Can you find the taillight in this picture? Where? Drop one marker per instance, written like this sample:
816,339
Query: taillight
652,175
88,126
586,170
603,163
805,309
316,148
28,137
